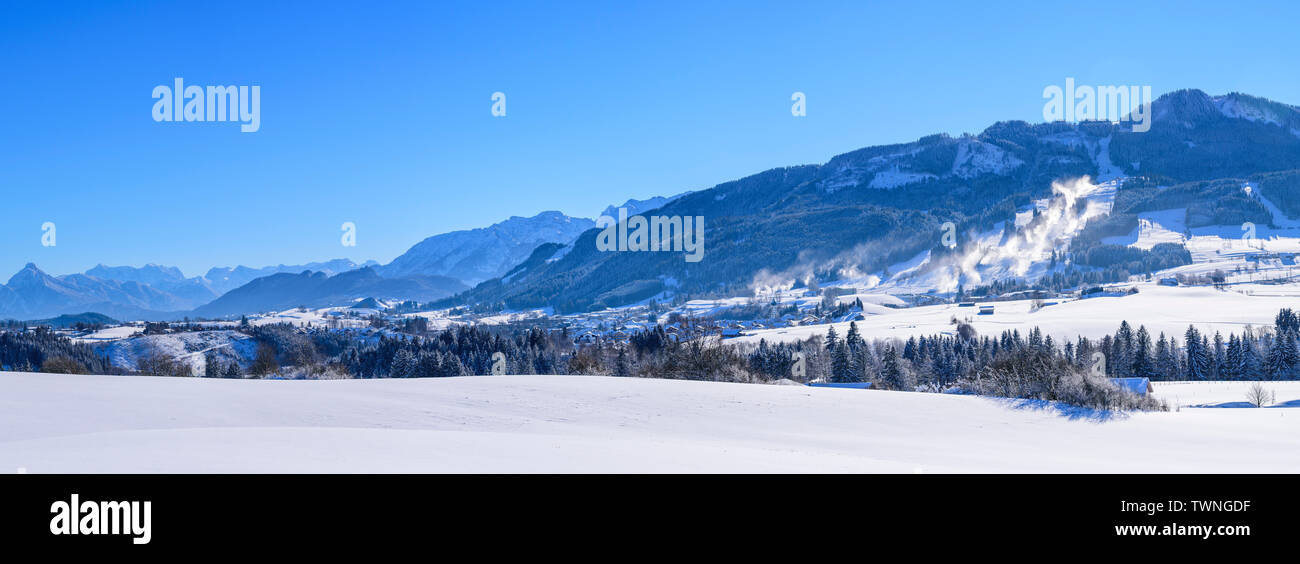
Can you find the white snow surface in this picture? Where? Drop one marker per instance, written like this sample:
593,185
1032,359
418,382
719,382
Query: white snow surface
1154,228
110,334
117,424
1159,308
190,348
1225,394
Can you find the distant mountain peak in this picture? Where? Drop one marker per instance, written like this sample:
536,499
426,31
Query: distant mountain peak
1186,107
29,273
636,207
474,255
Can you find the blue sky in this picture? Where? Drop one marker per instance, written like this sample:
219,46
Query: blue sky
380,114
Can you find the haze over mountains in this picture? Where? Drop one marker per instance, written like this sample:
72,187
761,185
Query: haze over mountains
475,255
859,215
282,291
635,207
433,268
148,292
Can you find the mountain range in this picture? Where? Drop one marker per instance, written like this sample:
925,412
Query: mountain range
636,207
282,291
149,292
224,279
857,214
433,268
863,211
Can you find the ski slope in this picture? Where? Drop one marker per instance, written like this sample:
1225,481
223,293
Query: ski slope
57,423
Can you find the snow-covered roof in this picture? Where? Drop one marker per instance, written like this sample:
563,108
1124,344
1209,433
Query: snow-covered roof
1138,386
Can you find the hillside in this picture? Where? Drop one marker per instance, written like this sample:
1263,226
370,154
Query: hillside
862,212
601,424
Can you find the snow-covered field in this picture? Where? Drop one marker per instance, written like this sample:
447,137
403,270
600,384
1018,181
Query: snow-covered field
1159,308
320,317
57,423
1223,394
110,334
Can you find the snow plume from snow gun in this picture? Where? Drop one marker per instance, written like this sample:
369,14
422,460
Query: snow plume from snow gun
977,259
813,265
1026,253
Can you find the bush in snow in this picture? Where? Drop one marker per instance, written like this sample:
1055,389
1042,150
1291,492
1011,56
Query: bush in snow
62,365
1034,373
158,363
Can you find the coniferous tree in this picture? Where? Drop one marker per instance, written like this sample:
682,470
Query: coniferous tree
832,340
1083,352
1107,347
1232,364
1035,338
1286,321
1219,358
854,338
1251,363
853,343
840,369
621,364
1166,358
1141,365
404,365
1198,361
1122,350
211,366
1281,361
893,374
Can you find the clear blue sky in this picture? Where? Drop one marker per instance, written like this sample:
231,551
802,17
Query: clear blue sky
380,114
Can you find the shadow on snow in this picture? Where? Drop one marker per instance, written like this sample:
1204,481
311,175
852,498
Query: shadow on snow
1071,412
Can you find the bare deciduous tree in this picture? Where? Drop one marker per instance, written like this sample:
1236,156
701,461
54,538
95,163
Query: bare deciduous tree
1258,396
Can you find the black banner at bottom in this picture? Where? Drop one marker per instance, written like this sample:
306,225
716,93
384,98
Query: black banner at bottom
583,514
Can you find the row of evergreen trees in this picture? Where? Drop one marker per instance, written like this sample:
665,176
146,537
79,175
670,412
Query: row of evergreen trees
41,349
1254,354
939,361
461,350
933,362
